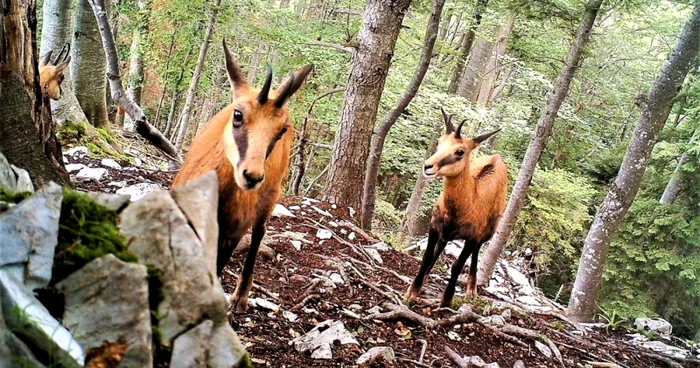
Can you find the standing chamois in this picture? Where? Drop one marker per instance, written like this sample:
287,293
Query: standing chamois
248,143
469,208
51,72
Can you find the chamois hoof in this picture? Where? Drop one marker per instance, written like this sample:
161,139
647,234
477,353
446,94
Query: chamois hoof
471,293
446,303
239,305
411,296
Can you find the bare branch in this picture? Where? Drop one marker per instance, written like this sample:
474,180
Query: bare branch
331,45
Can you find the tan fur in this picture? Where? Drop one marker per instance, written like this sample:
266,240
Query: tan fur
51,75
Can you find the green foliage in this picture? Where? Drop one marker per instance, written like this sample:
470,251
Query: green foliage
10,197
611,319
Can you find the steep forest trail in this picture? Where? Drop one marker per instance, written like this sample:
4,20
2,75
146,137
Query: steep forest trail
318,274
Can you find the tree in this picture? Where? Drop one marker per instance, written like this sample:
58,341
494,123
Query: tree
194,83
467,43
675,184
493,68
28,137
656,106
136,78
534,150
89,65
370,65
370,184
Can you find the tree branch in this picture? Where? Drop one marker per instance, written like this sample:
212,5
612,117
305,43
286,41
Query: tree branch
331,45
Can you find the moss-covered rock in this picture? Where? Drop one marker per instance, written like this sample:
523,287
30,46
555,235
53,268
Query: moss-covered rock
101,142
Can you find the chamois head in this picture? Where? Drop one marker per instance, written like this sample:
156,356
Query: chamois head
51,72
259,119
453,151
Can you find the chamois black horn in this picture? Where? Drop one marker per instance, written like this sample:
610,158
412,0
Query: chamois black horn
486,136
458,132
282,98
265,91
63,54
448,121
44,60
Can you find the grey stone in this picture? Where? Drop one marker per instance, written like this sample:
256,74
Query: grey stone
492,365
190,349
322,337
375,255
91,173
199,200
225,350
107,299
24,181
281,211
28,318
114,202
30,234
519,364
159,235
495,321
263,304
108,162
7,176
660,347
71,168
543,349
377,354
138,191
475,361
658,325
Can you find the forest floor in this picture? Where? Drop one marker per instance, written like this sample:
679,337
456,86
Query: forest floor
317,267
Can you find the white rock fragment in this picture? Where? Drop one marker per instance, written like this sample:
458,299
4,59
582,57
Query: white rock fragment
324,213
296,244
71,168
336,278
352,236
78,151
333,223
543,349
352,211
291,317
263,304
294,208
377,354
321,337
138,191
281,211
375,255
324,234
658,325
89,173
108,162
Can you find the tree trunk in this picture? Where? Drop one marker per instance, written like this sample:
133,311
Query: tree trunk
301,6
675,184
479,9
284,4
534,150
493,68
88,66
27,133
136,79
194,84
446,22
175,99
255,64
656,107
156,121
143,127
370,184
370,66
315,10
470,83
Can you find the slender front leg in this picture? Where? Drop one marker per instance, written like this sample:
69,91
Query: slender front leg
414,290
472,292
226,249
457,268
239,299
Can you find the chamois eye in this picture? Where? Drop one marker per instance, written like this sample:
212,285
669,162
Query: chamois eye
459,153
237,118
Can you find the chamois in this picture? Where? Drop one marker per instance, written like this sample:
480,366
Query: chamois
469,208
51,72
248,143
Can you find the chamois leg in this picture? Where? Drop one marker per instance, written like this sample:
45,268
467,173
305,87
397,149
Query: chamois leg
239,299
457,269
472,292
414,290
439,248
226,249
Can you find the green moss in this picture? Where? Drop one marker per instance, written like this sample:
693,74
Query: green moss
71,132
101,149
651,335
558,326
10,197
246,362
87,230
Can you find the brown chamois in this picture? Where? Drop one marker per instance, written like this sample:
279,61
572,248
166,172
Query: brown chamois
51,72
469,208
248,144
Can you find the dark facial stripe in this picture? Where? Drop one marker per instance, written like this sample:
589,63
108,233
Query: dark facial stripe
449,160
240,136
270,147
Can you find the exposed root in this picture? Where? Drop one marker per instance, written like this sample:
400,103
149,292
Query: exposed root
303,303
422,351
455,358
524,332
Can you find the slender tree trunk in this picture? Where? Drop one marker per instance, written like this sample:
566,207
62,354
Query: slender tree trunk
284,4
27,133
656,107
539,139
143,127
315,10
255,64
369,190
493,68
479,9
88,66
301,6
446,22
175,99
675,184
211,100
194,84
470,83
370,66
156,121
136,78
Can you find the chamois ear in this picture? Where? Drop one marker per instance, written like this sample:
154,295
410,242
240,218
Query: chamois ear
484,137
448,121
235,77
62,66
458,132
44,60
291,85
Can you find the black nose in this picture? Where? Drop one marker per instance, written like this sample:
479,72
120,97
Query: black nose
252,180
428,167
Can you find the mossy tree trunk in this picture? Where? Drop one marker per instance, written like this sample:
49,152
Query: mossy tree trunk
136,78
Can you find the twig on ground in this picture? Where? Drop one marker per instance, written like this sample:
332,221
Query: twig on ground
422,351
397,312
301,304
310,288
524,332
455,358
509,338
358,230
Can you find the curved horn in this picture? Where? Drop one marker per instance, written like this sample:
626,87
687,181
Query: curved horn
448,121
265,91
484,137
44,60
63,55
282,98
458,132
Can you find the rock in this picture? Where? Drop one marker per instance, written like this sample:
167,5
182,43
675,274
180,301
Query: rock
475,360
492,365
324,234
660,347
190,349
375,255
291,317
507,314
199,200
324,213
225,348
78,151
29,232
108,162
352,236
118,184
528,300
377,354
333,223
114,202
495,321
374,310
349,313
281,211
107,300
91,173
296,244
355,307
24,181
35,324
658,325
294,208
381,246
321,337
159,235
13,349
637,338
138,191
71,168
336,278
543,349
8,181
352,211
519,364
264,304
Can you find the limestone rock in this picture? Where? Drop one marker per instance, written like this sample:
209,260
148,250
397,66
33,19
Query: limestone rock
658,325
190,349
375,255
71,168
377,354
138,191
475,361
107,299
321,337
199,200
519,364
159,235
114,202
108,162
225,349
12,348
543,349
660,347
281,211
495,321
91,173
24,182
7,176
263,304
29,232
324,234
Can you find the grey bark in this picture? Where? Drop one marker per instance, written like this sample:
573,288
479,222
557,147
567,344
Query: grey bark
466,47
175,99
369,190
315,10
675,184
255,64
143,127
470,82
88,65
656,107
493,68
156,121
284,4
194,83
537,143
300,7
136,78
368,72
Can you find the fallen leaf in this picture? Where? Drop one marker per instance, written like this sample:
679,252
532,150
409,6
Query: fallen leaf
108,355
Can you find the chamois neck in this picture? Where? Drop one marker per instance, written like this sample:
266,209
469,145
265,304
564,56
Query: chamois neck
460,186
